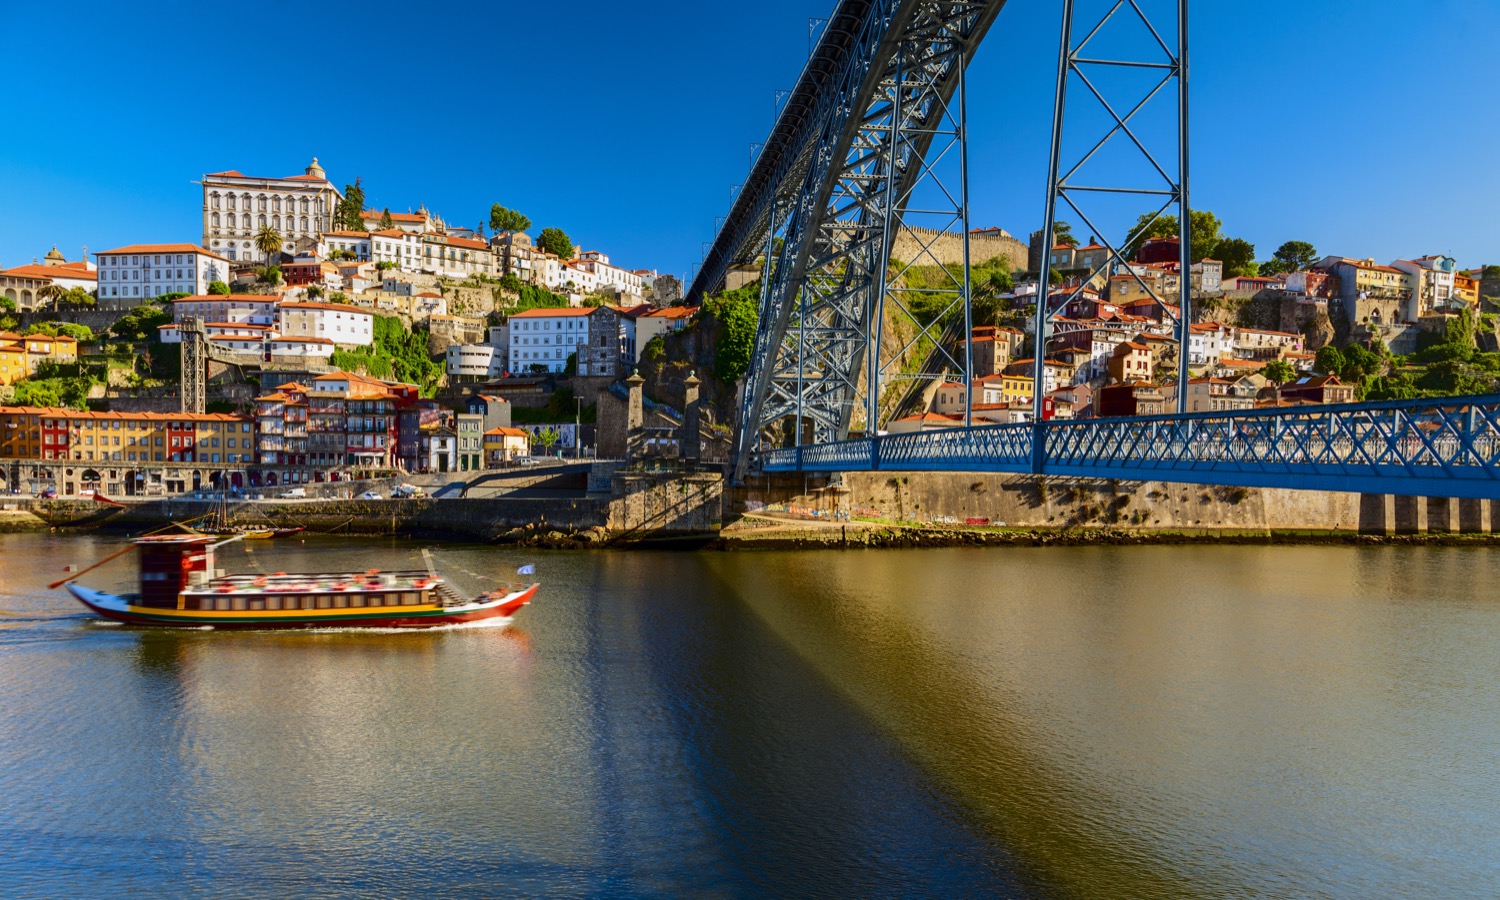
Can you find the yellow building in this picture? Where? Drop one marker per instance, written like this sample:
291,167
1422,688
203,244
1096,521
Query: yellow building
1016,388
1466,288
502,445
13,365
86,436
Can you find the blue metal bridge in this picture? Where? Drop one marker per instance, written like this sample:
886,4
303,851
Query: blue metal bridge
872,140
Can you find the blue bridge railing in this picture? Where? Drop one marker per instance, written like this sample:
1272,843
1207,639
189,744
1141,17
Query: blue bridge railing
1441,447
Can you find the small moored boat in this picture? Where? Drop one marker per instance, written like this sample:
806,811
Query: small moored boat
179,588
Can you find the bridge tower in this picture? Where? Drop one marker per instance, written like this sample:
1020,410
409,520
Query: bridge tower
873,140
194,365
1125,41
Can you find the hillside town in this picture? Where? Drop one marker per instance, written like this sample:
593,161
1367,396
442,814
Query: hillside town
308,337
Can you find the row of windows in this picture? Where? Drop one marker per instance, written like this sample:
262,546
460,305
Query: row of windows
144,456
108,261
274,202
237,602
292,225
135,275
571,324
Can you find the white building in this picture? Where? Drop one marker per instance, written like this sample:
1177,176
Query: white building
344,325
567,276
355,242
610,279
308,348
402,248
129,276
455,257
21,283
476,362
547,337
242,309
237,206
1210,342
667,320
1433,278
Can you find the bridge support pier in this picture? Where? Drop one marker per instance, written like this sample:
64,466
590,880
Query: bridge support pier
1440,515
1473,516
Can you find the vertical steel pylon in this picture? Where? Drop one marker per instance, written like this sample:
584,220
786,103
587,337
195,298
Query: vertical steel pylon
1171,193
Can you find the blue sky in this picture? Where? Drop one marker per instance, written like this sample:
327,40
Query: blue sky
1365,128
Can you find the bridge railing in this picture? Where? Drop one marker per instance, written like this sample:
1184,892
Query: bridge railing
1441,447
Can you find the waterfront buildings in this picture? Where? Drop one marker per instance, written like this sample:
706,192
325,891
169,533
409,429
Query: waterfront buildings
22,284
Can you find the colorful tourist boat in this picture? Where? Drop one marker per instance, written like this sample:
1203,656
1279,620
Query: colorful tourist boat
179,587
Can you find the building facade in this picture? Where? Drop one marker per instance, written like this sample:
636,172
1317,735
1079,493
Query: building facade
129,276
237,206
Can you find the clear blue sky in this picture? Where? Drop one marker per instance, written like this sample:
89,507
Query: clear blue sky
1368,129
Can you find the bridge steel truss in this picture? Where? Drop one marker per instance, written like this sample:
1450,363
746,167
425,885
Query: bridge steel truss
1447,447
1170,192
825,215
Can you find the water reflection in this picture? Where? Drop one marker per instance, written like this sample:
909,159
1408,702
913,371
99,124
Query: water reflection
1092,722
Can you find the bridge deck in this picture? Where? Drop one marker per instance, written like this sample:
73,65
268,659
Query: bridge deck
1443,447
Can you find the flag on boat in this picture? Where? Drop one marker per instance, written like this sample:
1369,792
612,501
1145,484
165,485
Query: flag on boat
526,570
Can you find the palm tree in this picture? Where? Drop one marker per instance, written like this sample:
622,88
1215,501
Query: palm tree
268,241
54,292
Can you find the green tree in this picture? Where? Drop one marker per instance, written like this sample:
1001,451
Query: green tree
737,314
556,242
1062,234
78,298
1204,233
141,323
218,287
53,292
511,283
314,292
386,224
1238,257
7,304
1279,371
503,219
1329,360
548,438
384,265
269,274
349,215
268,241
1293,256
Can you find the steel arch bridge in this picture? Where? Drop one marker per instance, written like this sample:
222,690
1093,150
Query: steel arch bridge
880,102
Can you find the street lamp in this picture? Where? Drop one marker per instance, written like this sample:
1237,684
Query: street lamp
578,428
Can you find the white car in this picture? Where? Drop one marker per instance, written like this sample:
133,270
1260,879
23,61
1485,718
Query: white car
294,494
371,495
526,461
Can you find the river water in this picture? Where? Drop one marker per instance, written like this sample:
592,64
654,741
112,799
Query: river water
1055,722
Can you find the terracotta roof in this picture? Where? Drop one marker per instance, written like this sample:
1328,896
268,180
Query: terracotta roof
545,313
507,432
227,298
395,217
39,271
161,248
346,234
232,173
931,417
466,242
673,312
301,340
62,413
333,307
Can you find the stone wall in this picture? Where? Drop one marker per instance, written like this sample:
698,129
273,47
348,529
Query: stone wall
948,249
1021,501
655,504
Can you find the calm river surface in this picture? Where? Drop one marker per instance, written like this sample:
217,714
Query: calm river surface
1091,722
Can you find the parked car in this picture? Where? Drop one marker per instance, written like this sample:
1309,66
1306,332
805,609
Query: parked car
294,494
407,490
49,494
371,495
525,461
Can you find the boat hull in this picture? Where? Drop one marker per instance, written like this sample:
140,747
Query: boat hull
120,609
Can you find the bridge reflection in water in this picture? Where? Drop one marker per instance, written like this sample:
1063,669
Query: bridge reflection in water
1447,447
